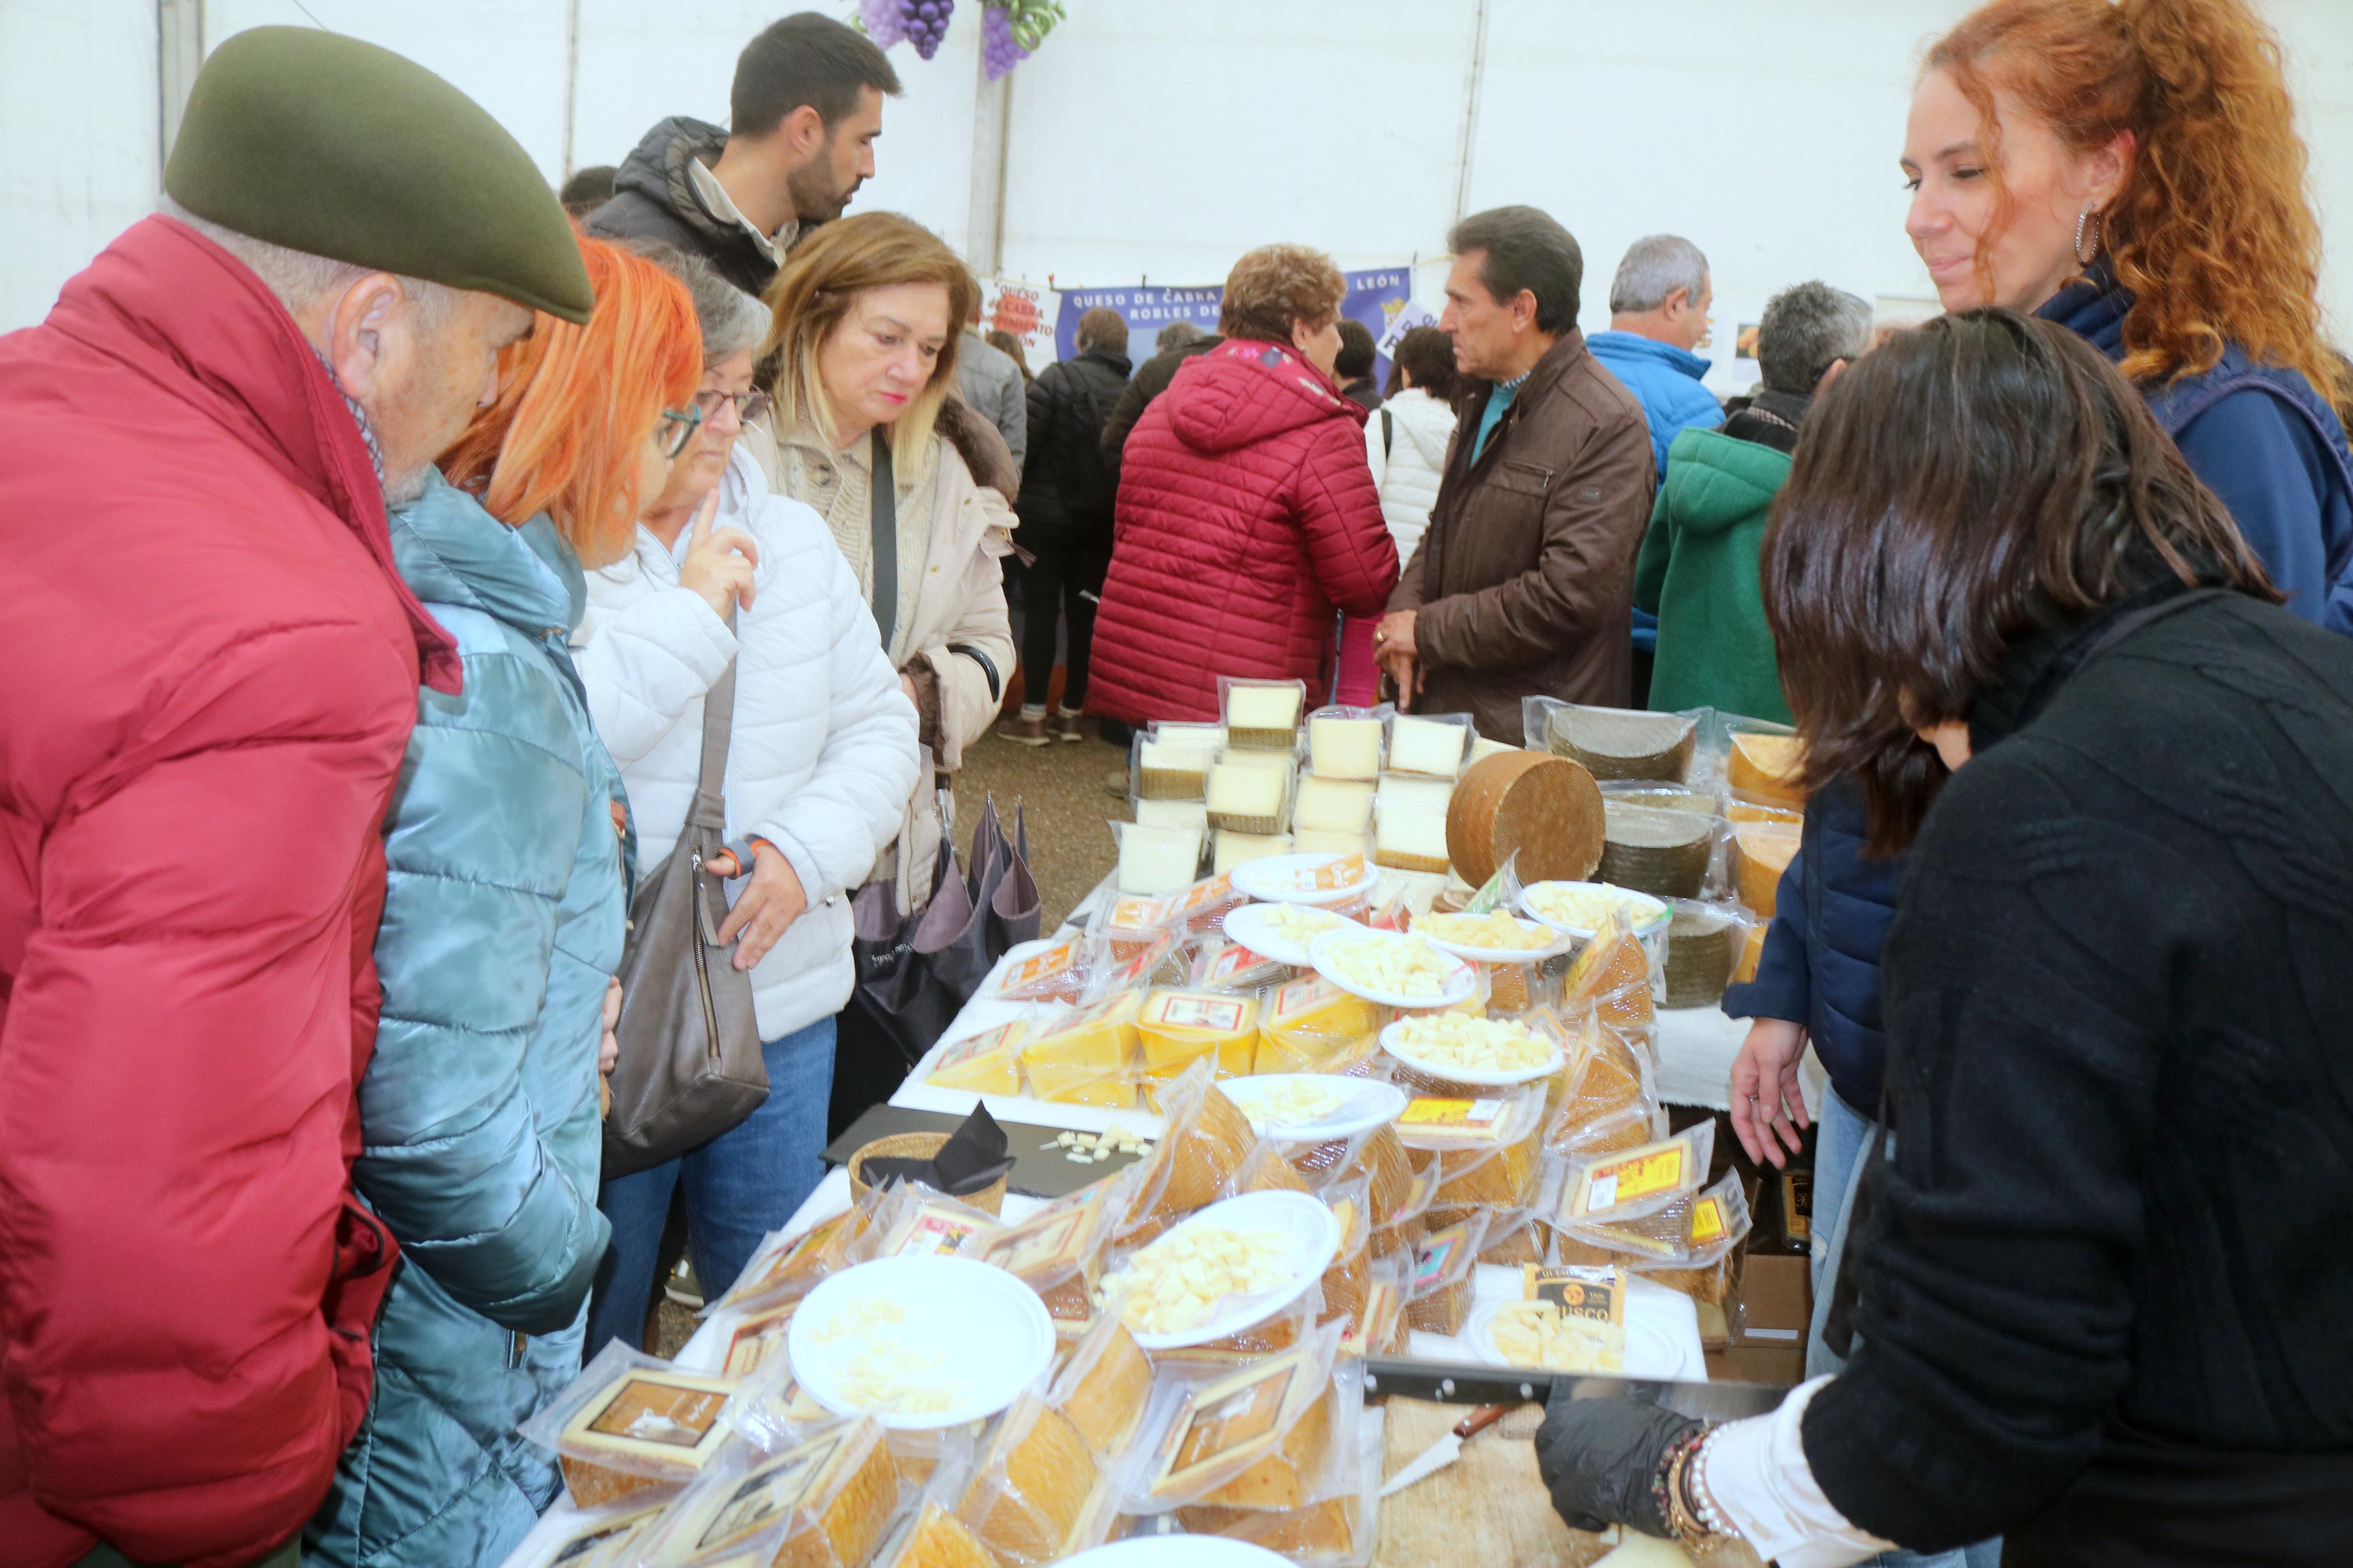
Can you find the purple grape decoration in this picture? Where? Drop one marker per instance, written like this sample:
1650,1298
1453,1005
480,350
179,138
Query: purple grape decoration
999,50
881,20
926,23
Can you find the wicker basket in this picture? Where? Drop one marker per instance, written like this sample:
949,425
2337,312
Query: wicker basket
990,1199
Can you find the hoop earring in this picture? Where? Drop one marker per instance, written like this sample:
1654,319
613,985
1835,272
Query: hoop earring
2088,218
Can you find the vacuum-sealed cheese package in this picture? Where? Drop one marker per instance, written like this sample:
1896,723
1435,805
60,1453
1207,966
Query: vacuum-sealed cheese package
1253,1435
1636,1181
1038,1494
825,1502
631,1423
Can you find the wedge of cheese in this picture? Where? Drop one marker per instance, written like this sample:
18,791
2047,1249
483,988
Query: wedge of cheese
988,1063
1310,1018
940,1539
1176,1027
1088,1055
1103,1390
1431,747
1264,715
1245,797
1333,806
1034,1486
1192,813
1230,849
1409,830
1761,851
652,1426
1157,860
1341,746
1171,762
1765,767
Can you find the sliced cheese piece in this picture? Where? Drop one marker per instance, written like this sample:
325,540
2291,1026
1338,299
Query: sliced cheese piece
1761,851
1311,841
1752,952
1331,806
1247,798
1034,1487
1284,1477
1234,1426
1766,766
1483,748
1264,715
1230,849
1621,743
1410,832
940,1539
1544,809
1190,813
1103,1390
1178,1025
1157,860
1343,746
1702,948
1431,747
656,1426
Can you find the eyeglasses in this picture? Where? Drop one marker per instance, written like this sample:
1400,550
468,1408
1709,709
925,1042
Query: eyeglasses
749,405
677,428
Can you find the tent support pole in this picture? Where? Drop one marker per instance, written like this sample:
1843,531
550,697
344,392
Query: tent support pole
1473,86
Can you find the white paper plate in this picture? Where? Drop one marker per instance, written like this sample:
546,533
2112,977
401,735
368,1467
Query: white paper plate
1650,1348
1461,983
1391,1036
1370,1104
1311,1239
993,1329
1563,941
1283,879
1664,913
1177,1552
1252,926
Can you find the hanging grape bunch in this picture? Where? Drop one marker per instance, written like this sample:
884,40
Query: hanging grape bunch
879,18
998,52
925,23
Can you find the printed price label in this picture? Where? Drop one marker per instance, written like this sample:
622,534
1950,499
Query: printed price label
1202,1013
1038,967
1139,914
1578,1290
1346,872
1708,1222
1466,1115
1232,962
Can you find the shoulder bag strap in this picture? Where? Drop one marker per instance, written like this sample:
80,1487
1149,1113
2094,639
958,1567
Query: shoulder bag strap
710,808
1388,433
885,511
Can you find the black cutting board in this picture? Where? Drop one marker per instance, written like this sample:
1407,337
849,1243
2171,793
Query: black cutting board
1038,1172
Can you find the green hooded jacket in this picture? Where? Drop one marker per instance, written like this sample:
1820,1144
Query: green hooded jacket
1697,574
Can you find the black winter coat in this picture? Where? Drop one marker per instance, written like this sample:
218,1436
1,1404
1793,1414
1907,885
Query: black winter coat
654,198
2104,1279
1067,489
1150,382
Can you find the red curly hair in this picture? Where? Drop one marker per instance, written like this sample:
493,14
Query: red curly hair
2212,231
574,403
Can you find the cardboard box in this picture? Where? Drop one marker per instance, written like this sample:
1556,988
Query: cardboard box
1782,1368
1776,1302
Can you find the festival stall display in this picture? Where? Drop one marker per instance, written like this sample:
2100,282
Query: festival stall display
1359,1093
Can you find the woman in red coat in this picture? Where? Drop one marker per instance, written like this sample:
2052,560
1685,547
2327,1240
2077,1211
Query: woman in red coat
1246,516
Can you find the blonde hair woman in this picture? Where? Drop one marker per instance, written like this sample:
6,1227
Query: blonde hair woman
860,365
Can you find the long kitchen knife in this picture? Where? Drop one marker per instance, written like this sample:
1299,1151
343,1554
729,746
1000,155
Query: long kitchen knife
1464,1383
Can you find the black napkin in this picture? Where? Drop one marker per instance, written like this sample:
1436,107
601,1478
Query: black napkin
974,1157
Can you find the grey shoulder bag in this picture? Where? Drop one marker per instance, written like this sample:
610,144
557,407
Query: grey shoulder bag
691,1066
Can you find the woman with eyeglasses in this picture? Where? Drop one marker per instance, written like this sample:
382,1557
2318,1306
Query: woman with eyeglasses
504,906
820,759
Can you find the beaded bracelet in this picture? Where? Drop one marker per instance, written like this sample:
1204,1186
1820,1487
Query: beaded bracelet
1667,1490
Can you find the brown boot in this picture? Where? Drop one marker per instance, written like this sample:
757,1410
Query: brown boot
1024,730
1065,726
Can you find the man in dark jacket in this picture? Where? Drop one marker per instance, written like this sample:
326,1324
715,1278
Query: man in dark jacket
807,106
1354,369
1150,382
1524,584
1066,516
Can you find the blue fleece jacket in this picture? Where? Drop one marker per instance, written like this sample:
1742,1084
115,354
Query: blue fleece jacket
1666,380
2263,440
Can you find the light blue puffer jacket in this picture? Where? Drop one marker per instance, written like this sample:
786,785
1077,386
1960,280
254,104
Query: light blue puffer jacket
503,922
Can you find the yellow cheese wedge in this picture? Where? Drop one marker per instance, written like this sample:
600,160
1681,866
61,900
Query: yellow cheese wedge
1339,747
1035,1484
1089,1055
1178,1025
1765,766
1313,1017
1103,1391
940,1539
1761,851
988,1063
1264,714
1245,797
1156,860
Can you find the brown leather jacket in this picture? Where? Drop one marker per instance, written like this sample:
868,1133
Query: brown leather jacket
1525,580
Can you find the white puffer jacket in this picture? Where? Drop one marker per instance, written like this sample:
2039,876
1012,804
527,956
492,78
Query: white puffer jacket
823,754
1406,474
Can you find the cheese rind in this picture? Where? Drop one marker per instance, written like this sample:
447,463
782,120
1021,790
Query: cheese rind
1247,798
1765,767
1544,809
1264,714
1761,851
1410,832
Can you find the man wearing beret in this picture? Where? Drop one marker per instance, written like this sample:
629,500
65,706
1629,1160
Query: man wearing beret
213,668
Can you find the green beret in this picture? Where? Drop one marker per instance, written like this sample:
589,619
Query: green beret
319,142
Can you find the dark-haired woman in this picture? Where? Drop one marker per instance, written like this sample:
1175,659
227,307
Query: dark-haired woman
1404,441
2102,1284
2132,172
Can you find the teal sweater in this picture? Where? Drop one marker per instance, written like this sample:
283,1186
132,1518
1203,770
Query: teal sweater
1697,574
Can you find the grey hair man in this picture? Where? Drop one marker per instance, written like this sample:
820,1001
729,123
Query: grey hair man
1658,321
222,667
1520,585
1697,573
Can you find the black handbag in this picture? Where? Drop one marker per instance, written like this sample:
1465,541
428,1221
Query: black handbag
914,973
691,1066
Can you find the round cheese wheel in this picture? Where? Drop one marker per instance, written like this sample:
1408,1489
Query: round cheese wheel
1544,808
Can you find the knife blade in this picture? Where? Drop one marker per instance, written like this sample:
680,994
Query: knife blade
1446,1450
1464,1383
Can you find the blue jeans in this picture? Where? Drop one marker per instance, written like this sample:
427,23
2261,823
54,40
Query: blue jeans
1838,1149
741,1185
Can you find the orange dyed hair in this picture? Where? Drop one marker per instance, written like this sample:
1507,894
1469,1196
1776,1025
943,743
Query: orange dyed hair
2212,232
575,405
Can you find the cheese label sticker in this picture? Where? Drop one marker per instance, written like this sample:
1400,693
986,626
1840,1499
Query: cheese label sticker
1346,872
1707,1222
1139,914
1233,960
1468,1115
1039,966
646,1410
937,1232
1597,1294
1431,1258
1200,895
766,1496
1640,1177
1304,996
981,1045
1202,1013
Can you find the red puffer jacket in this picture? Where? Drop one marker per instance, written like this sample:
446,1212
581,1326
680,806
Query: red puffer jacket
1247,514
212,671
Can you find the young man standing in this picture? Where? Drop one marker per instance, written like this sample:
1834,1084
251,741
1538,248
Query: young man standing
807,107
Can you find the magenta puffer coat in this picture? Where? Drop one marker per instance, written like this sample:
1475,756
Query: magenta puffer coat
1246,518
